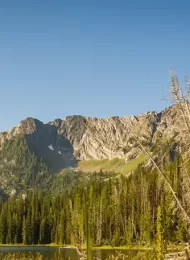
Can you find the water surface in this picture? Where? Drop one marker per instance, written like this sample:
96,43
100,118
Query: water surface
55,253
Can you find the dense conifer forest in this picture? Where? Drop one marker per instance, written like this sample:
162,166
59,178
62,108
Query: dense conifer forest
122,210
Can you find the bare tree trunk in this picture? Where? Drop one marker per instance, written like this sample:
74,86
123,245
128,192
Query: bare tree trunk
187,218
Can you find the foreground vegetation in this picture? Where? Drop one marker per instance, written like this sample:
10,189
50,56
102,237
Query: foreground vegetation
21,257
58,256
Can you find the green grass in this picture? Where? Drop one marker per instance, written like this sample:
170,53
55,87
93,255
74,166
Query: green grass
20,256
116,165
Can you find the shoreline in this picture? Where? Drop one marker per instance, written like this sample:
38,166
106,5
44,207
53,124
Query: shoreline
83,247
105,247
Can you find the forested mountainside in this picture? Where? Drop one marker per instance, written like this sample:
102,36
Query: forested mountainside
32,151
20,168
121,211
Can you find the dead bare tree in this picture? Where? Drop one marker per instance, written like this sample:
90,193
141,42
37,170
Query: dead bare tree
180,97
161,173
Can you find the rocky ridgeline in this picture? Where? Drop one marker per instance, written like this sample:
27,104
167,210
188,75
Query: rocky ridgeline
83,138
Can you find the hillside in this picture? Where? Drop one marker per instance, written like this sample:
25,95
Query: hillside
84,144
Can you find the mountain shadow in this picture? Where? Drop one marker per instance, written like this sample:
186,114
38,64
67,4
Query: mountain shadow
54,149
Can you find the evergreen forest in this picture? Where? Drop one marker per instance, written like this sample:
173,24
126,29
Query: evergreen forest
122,210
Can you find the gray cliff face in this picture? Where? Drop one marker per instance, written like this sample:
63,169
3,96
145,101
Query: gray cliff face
62,142
94,138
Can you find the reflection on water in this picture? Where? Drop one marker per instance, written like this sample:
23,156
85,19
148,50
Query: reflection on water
54,253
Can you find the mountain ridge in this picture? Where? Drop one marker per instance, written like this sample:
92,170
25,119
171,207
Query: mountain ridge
85,144
86,138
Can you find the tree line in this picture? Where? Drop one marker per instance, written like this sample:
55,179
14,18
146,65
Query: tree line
121,211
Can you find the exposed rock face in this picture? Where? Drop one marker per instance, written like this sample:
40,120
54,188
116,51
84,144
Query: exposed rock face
94,138
63,142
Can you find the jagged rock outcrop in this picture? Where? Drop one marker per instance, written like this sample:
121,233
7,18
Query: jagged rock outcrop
94,138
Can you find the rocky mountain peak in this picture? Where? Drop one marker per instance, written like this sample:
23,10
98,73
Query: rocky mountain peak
63,142
29,125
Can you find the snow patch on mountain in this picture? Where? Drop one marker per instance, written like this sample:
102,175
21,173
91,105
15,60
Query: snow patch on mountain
51,147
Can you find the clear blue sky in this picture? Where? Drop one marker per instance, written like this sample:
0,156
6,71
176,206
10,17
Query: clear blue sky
94,58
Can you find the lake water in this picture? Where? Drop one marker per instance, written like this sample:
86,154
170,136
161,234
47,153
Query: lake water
54,253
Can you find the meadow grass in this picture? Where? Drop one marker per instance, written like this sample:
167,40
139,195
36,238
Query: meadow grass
115,165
